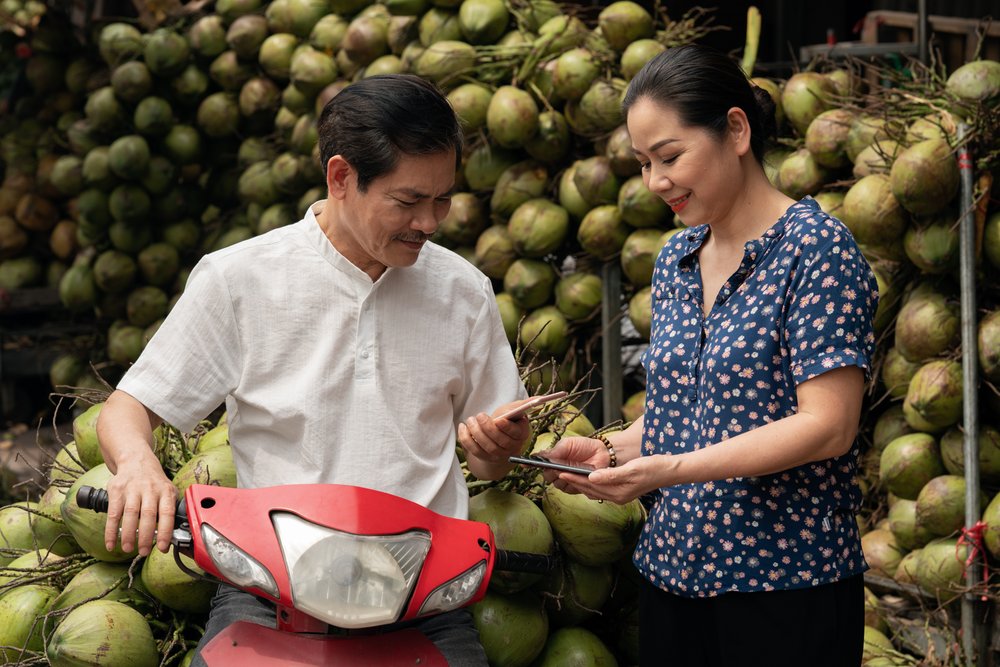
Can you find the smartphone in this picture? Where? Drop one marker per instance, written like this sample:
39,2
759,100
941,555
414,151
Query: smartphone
562,466
532,403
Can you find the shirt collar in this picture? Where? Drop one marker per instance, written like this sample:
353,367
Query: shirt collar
756,248
322,244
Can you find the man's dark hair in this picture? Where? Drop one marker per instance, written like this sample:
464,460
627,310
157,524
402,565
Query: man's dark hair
374,121
701,85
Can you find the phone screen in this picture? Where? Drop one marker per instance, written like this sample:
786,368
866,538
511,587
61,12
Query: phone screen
553,464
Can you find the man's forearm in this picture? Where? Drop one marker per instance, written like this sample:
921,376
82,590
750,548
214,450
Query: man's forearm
123,423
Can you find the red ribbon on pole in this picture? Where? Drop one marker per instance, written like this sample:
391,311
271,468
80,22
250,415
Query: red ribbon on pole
974,537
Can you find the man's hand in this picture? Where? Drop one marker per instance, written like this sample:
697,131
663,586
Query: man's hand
140,500
489,439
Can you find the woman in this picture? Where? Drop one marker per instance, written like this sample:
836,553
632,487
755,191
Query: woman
761,342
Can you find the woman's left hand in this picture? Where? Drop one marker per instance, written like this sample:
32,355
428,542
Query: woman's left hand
620,484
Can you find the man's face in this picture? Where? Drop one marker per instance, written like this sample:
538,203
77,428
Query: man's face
388,224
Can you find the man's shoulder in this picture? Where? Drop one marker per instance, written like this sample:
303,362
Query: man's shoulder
273,244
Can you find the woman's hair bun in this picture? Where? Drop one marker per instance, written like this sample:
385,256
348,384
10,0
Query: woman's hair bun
766,109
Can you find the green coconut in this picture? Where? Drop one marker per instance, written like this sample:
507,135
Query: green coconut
207,36
512,117
165,52
153,116
903,524
589,532
976,81
637,54
466,219
624,22
22,610
988,337
991,518
20,273
495,251
24,527
925,177
570,197
575,646
470,101
169,584
639,255
800,175
103,632
518,525
103,110
114,271
882,552
132,81
87,526
77,290
529,282
510,314
640,311
602,233
311,71
483,21
190,85
933,245
275,55
574,593
827,135
872,212
512,628
830,202
516,185
941,568
890,425
538,227
598,111
182,144
145,305
940,506
444,60
877,158
438,24
107,581
876,647
125,344
485,164
805,96
85,436
927,326
909,462
596,181
119,42
578,295
865,130
214,466
640,207
934,397
574,72
906,571
246,34
328,33
546,331
953,454
26,567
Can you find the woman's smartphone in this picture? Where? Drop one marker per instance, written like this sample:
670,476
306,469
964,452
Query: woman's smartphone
532,403
562,466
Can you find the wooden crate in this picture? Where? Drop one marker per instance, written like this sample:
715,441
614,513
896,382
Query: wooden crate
957,39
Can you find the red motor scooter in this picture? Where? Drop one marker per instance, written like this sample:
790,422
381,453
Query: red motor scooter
335,556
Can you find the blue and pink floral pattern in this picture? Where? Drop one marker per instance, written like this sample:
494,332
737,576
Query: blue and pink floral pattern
801,303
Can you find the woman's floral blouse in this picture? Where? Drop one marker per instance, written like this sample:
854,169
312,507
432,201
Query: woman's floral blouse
800,304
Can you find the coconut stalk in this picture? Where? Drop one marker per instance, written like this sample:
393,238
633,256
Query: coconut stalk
753,40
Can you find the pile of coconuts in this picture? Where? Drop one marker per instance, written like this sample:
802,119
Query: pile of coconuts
140,149
885,160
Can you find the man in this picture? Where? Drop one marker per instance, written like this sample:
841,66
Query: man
346,348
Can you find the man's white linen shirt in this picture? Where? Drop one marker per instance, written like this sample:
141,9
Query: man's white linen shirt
327,376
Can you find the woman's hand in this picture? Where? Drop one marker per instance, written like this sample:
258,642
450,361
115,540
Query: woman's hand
620,484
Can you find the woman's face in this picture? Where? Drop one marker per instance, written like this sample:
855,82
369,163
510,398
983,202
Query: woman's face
697,173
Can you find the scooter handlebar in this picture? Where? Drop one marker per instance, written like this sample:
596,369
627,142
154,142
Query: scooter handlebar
523,561
89,498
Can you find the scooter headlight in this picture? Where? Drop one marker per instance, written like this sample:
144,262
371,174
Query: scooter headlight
454,593
235,564
350,581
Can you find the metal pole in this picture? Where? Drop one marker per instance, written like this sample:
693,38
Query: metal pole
970,383
611,342
922,37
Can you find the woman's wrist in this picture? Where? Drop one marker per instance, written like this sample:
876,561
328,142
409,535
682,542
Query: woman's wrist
612,454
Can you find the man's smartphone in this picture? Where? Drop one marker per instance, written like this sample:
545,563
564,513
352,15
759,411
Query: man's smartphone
562,466
532,403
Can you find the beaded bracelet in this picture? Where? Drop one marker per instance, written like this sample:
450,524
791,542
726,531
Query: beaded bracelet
611,450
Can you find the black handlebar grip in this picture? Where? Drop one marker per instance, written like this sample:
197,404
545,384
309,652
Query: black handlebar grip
523,561
94,499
